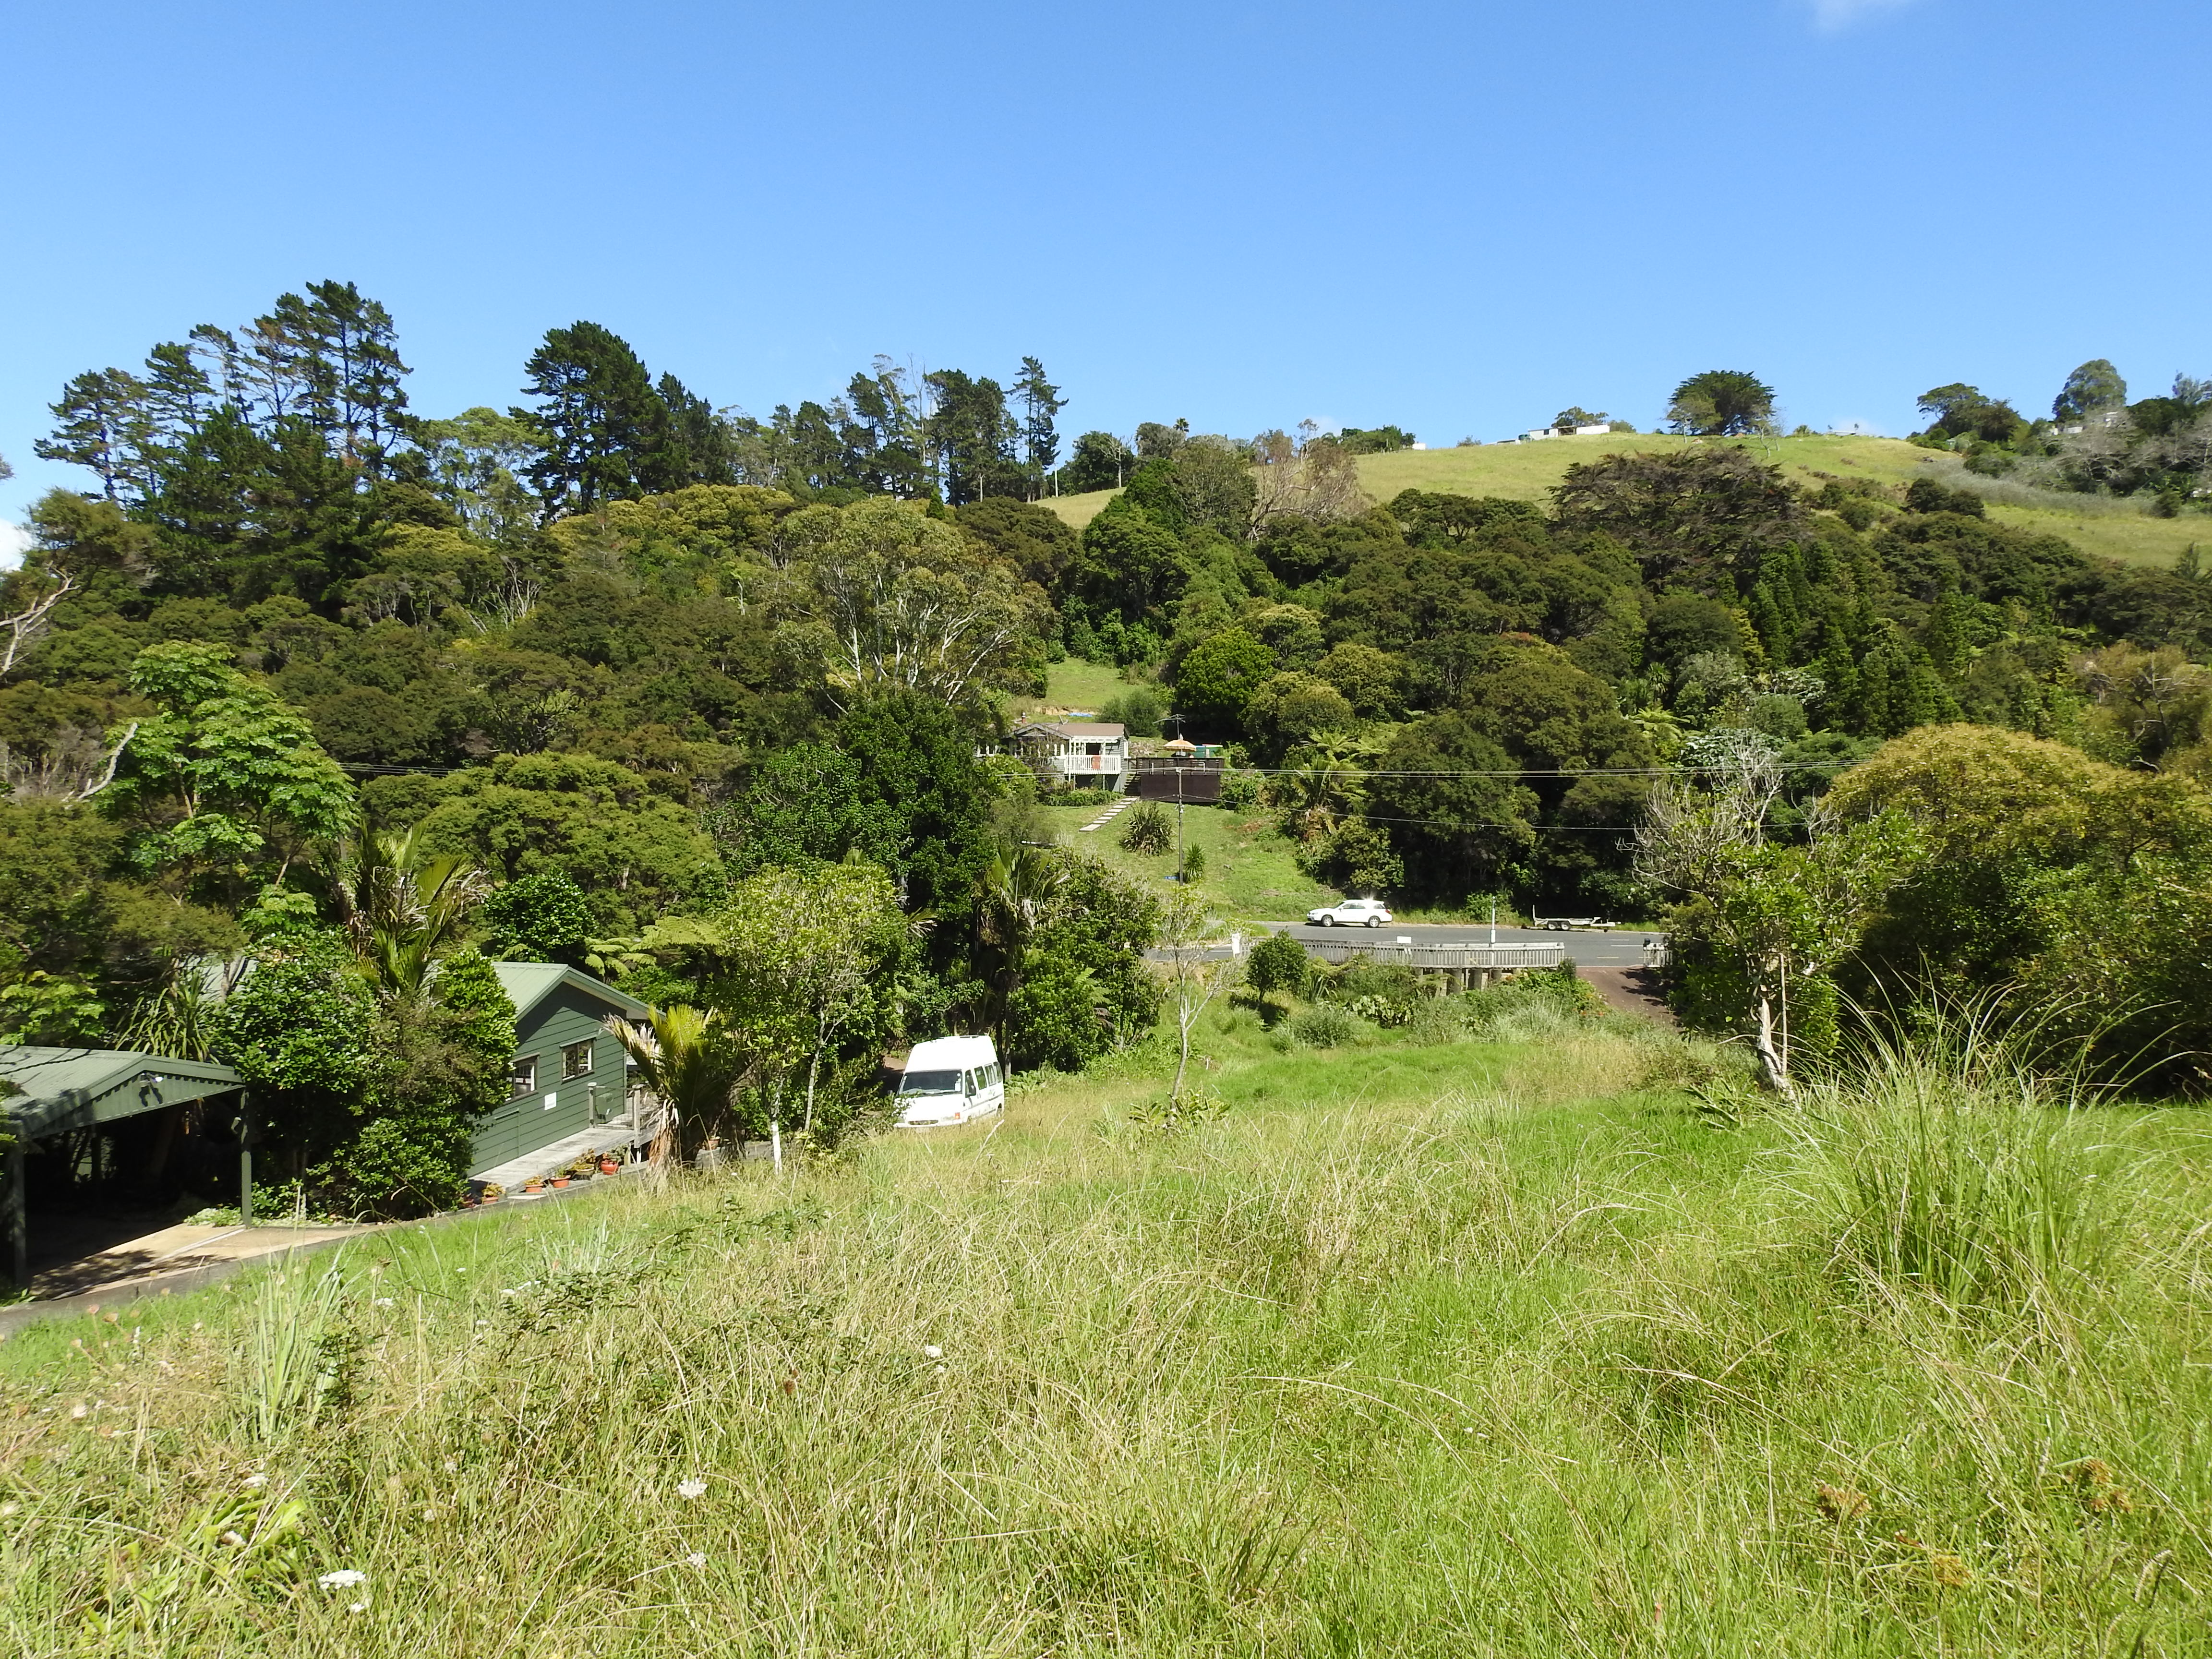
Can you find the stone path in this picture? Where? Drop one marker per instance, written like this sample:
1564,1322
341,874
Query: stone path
1109,815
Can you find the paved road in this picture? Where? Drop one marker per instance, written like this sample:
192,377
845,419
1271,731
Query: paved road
1622,947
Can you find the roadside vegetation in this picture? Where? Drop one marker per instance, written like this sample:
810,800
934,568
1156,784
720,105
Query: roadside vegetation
1539,1335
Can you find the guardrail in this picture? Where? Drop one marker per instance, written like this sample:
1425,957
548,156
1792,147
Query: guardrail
1470,955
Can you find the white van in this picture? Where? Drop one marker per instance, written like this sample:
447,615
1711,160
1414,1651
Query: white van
953,1079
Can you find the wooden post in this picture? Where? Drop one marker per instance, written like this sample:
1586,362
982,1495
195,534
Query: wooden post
245,1159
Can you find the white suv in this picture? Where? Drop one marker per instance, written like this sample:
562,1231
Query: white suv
1351,913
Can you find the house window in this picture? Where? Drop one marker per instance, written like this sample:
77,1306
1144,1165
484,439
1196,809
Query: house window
525,1075
576,1060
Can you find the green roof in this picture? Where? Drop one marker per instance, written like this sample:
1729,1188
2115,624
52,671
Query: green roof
529,983
71,1088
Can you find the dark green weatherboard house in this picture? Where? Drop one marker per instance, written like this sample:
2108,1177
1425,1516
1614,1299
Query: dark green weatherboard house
568,1072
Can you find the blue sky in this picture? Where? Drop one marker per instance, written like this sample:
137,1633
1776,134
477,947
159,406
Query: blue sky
1460,218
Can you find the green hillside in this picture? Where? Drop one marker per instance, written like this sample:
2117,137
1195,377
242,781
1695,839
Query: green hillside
2102,527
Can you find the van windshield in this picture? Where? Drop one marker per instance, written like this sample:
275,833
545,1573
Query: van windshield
930,1083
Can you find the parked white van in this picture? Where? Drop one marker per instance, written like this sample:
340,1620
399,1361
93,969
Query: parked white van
954,1080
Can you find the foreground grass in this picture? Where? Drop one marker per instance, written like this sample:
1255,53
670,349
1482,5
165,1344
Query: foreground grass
1468,1348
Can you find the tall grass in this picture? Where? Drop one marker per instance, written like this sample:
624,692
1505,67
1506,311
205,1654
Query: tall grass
1947,1166
1468,1347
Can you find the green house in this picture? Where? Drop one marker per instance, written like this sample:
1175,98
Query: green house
570,1076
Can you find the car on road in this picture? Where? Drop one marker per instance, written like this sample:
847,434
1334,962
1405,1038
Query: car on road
1567,924
1351,913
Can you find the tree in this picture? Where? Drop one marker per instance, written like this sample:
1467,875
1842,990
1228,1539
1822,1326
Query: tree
807,957
1576,416
1761,929
1099,461
1961,410
299,1028
919,778
544,917
902,602
601,429
974,437
225,779
1218,680
1041,405
443,1059
1691,514
1277,962
102,424
682,1057
1722,403
1019,888
477,462
2092,389
1197,976
1309,476
1445,796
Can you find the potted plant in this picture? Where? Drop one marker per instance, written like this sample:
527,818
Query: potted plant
536,1184
561,1179
609,1163
493,1192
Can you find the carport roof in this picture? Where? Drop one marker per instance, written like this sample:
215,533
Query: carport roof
73,1088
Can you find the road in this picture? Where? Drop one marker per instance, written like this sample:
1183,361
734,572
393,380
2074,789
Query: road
1622,947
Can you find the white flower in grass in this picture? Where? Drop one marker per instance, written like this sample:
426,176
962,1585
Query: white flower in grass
697,1559
356,1607
381,1302
257,1480
343,1579
930,1351
695,1488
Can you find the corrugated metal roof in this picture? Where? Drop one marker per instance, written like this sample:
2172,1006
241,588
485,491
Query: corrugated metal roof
529,983
65,1088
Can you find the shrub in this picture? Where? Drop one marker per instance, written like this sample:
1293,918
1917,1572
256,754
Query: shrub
1324,1027
1240,791
1194,863
1279,962
1147,830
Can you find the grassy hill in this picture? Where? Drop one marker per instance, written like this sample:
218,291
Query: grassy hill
2101,526
1488,1341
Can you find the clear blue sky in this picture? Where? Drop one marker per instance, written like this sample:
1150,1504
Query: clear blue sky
1460,218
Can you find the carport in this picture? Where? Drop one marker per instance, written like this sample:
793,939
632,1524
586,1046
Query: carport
65,1096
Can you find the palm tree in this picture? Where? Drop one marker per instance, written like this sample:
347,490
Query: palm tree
403,909
1018,892
679,1057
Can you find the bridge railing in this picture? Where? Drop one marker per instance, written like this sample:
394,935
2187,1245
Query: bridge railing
1470,955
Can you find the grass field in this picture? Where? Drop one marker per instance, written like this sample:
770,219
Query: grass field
1485,1346
2101,526
1250,875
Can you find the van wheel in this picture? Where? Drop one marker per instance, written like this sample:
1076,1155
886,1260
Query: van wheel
1374,921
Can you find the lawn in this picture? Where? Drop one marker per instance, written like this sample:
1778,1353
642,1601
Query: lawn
2097,525
1072,683
1250,875
1484,1346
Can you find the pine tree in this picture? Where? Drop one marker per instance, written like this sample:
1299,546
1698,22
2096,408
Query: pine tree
1040,404
598,417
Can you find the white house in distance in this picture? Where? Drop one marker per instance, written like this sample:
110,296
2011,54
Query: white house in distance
1086,754
1544,432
